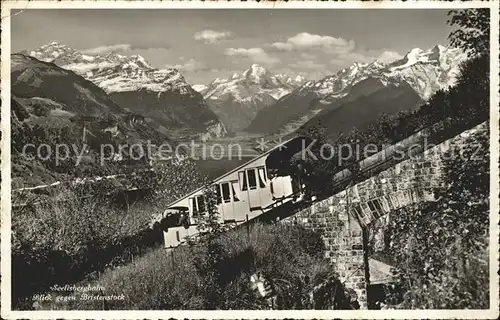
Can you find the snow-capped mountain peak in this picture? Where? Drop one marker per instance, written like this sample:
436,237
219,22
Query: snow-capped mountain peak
252,83
438,48
402,84
255,69
113,72
299,79
199,87
256,74
437,55
412,57
376,64
53,45
54,51
238,98
141,61
138,86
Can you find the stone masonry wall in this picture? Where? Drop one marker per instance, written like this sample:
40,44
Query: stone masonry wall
344,217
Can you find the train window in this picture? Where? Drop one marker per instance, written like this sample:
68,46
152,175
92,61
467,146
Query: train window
379,210
372,207
226,194
200,201
262,177
364,207
252,180
243,181
235,196
198,205
192,204
358,211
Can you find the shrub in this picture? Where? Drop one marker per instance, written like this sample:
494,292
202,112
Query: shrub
441,249
78,233
40,110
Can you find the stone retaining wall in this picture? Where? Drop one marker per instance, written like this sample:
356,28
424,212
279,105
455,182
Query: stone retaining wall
344,218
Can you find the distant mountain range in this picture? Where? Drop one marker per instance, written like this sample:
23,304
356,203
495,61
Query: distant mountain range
256,100
125,100
53,105
237,100
411,79
161,95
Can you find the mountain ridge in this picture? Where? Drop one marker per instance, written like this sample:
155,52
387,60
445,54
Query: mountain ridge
51,105
172,103
237,99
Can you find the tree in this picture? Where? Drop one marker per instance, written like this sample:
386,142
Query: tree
210,226
40,110
473,88
171,180
312,166
473,32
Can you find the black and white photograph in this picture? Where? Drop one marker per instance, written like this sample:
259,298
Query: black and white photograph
264,159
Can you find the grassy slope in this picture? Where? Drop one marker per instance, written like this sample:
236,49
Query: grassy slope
189,277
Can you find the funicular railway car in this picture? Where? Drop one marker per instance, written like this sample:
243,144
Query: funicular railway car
245,192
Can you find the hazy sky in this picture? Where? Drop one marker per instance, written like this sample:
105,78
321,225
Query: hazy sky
204,44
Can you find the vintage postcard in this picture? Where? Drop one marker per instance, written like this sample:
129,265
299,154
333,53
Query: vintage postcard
249,160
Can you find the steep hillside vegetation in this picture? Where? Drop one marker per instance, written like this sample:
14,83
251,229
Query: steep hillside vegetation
217,275
51,106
